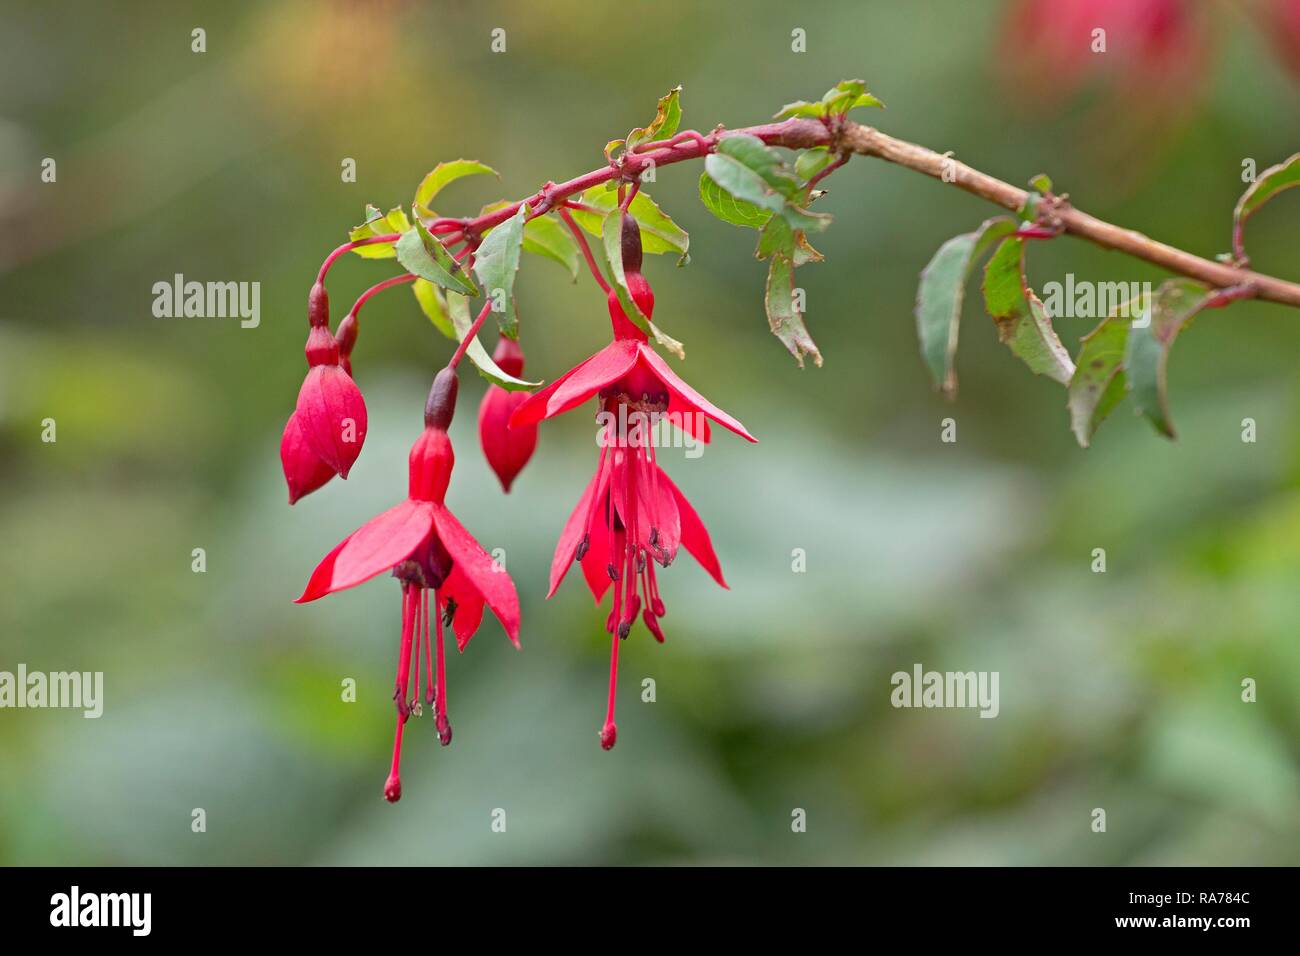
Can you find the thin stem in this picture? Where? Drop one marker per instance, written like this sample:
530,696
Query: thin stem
586,250
839,161
469,336
348,247
379,287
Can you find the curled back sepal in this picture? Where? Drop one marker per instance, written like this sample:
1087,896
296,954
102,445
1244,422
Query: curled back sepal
506,449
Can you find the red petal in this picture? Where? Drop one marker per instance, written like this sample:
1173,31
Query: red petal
688,395
595,564
483,573
376,546
695,537
572,534
333,416
608,365
469,605
688,418
533,409
303,470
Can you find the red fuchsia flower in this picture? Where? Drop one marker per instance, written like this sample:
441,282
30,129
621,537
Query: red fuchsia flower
631,515
506,449
427,550
328,427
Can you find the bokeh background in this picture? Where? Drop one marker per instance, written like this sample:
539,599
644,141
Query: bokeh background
1118,690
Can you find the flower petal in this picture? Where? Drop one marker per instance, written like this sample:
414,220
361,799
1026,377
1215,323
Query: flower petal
608,365
595,564
571,536
483,573
533,410
376,546
469,605
695,537
304,471
688,418
333,416
688,395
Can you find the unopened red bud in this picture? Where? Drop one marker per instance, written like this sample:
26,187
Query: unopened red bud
318,307
631,240
347,334
506,449
441,406
304,471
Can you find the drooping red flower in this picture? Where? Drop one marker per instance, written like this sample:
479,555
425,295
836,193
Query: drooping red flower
427,550
506,449
330,408
303,469
631,515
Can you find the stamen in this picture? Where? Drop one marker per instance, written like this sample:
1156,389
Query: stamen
414,705
440,720
393,785
428,651
609,732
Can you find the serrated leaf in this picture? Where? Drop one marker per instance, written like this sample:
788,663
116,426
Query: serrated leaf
941,292
459,312
1146,358
496,262
668,117
783,318
611,236
1100,382
801,109
728,208
1023,322
545,236
378,223
1268,184
433,306
440,176
658,231
422,254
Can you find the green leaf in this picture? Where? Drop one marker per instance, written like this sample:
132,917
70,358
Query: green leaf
433,306
1023,322
379,224
611,235
547,237
1268,184
440,176
759,159
459,312
783,317
839,99
940,293
658,232
1042,182
495,264
810,162
667,118
422,254
1100,382
728,208
1146,358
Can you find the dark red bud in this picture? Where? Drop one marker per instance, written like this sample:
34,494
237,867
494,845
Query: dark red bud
506,449
318,307
441,406
347,334
631,244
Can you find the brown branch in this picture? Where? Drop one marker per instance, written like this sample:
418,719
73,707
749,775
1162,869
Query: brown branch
850,137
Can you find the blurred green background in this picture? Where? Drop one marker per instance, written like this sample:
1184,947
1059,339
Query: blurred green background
1118,690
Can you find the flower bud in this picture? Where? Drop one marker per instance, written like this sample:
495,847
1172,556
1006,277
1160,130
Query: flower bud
304,471
506,449
441,406
330,408
637,285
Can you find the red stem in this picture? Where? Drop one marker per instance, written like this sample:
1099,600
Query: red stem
380,287
586,250
469,336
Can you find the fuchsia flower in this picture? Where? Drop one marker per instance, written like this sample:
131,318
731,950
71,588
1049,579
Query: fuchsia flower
506,449
630,515
324,435
427,550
